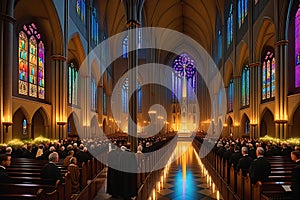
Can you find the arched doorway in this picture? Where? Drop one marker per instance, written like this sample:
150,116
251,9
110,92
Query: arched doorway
104,125
245,126
72,131
296,123
93,129
39,124
267,125
20,125
229,123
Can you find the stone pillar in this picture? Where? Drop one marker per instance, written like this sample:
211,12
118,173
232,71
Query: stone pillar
133,10
7,35
281,117
254,98
236,105
59,97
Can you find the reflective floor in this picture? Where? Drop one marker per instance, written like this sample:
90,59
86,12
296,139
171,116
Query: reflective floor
186,178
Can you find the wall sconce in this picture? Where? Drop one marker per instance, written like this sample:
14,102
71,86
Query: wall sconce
6,125
61,123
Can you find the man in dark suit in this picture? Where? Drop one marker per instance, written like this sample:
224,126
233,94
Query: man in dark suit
4,162
51,171
260,167
81,155
245,162
234,159
295,156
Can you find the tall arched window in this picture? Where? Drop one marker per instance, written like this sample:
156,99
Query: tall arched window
268,74
72,83
230,95
80,9
219,44
125,44
125,47
125,101
24,127
104,104
242,11
184,69
297,48
93,95
246,86
95,27
229,26
31,62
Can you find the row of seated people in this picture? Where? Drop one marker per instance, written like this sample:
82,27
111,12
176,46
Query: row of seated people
271,171
28,171
50,176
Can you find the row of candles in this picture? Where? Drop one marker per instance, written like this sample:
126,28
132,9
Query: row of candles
160,183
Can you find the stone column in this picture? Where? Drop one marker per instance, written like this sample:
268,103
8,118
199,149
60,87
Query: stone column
254,98
133,10
281,117
236,105
59,97
7,34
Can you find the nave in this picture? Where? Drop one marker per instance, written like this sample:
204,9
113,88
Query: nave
183,178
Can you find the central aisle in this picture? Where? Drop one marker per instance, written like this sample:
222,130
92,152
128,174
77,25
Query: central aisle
186,178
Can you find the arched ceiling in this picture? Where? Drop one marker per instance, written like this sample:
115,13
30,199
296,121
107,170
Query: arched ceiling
195,18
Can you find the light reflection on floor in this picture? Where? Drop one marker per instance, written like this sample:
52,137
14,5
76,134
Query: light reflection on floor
186,178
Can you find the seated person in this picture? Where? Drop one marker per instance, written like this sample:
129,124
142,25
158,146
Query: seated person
4,162
67,159
51,171
295,156
74,174
260,167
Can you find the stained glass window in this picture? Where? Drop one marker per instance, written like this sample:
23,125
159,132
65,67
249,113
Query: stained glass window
184,68
125,44
104,103
31,62
230,95
80,9
268,75
24,126
125,47
72,83
95,27
93,95
247,127
219,44
297,48
245,86
220,102
242,11
229,26
125,101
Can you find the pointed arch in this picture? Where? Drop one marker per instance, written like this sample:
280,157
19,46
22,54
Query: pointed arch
94,126
265,36
73,125
18,131
39,123
228,72
267,125
243,57
75,49
245,125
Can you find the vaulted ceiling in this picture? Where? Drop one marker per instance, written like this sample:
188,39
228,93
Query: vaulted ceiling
195,18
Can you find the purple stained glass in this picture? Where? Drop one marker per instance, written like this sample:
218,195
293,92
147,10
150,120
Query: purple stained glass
184,66
297,48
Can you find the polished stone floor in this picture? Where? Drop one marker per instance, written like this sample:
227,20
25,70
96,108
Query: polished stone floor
184,179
